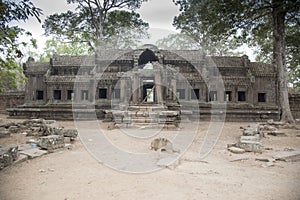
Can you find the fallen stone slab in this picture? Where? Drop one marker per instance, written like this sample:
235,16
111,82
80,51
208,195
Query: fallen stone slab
269,128
250,138
290,156
236,150
21,158
265,159
272,122
33,152
250,146
276,133
239,159
51,142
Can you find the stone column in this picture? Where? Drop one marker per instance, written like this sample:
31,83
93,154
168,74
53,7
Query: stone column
135,87
122,89
92,90
158,88
174,88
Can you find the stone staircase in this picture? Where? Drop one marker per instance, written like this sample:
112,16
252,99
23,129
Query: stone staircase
145,115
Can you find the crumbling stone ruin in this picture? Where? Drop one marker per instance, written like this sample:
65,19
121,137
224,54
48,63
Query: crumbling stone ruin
163,144
250,141
47,137
181,80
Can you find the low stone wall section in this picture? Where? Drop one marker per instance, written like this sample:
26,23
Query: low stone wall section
11,100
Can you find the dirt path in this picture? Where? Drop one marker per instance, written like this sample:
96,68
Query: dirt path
74,175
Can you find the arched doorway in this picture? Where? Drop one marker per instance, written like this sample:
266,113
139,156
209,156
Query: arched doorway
146,57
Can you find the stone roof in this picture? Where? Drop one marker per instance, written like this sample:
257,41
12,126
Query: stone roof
188,55
228,61
260,69
37,67
73,60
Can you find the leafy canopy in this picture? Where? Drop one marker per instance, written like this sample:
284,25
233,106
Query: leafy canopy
13,11
96,20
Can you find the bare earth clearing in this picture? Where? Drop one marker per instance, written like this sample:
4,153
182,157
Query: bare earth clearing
73,174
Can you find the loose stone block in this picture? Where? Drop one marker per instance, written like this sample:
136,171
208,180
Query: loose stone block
276,133
250,146
250,138
51,142
236,150
72,133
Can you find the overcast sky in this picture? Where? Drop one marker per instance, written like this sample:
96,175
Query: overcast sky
158,13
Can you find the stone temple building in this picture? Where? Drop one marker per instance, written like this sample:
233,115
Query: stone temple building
184,80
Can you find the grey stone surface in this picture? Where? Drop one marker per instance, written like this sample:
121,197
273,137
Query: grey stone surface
250,146
251,130
33,152
71,133
250,138
236,150
8,155
21,158
289,156
51,142
276,133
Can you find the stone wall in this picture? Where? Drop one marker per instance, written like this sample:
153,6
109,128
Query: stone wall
295,105
10,100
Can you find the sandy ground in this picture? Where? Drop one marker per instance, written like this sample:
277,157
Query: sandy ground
73,174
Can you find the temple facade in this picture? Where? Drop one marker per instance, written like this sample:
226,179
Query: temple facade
184,80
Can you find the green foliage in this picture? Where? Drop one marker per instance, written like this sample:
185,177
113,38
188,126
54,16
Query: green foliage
11,11
184,41
93,22
177,41
56,46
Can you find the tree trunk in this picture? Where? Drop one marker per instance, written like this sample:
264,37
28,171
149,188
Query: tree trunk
279,59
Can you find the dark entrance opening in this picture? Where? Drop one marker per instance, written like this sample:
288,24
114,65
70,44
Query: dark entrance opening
148,92
147,56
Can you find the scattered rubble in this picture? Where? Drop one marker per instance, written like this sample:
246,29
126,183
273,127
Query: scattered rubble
249,141
48,136
252,134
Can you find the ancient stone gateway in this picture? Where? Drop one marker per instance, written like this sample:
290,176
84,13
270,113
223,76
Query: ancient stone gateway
149,76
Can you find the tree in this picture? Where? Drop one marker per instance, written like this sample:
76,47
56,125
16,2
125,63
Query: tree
57,46
177,41
185,41
11,11
254,22
96,21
